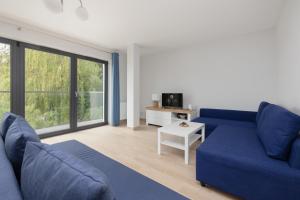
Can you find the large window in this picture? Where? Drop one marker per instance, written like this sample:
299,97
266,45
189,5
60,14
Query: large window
47,90
4,78
56,91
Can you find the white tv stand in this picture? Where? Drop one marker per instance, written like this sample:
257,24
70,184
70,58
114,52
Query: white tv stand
164,116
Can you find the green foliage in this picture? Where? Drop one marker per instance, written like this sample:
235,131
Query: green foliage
90,87
4,78
47,88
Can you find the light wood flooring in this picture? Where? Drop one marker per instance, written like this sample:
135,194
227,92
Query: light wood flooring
137,149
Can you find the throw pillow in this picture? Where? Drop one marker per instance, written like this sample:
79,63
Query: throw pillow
277,128
18,134
52,174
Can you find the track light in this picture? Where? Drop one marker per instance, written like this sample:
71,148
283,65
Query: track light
56,6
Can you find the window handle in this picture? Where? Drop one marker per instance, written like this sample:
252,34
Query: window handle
76,94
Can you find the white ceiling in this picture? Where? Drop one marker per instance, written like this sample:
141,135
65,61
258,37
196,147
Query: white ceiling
153,24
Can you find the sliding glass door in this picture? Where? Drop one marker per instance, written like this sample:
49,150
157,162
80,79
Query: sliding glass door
5,85
56,91
90,92
47,90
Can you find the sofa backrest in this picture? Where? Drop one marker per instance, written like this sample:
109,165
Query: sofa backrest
9,187
228,114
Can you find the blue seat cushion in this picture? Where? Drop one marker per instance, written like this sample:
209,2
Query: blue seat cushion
260,109
52,174
232,159
212,123
9,187
7,120
18,134
277,128
126,183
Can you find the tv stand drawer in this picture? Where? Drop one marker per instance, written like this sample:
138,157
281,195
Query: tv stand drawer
158,114
158,118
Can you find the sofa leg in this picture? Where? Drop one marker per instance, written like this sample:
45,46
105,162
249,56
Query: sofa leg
203,184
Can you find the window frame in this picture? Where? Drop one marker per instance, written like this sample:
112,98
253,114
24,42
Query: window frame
17,101
12,63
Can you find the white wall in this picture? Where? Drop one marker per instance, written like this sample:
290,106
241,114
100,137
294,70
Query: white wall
289,56
235,73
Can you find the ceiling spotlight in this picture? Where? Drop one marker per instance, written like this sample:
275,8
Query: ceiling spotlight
56,6
82,12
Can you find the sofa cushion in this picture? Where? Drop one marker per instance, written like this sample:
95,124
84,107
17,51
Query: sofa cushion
232,159
260,109
7,120
15,142
212,123
277,128
126,183
294,159
9,187
52,174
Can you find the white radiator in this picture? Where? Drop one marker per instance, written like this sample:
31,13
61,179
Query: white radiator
123,110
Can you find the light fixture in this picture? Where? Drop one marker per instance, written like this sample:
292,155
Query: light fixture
155,100
56,6
82,12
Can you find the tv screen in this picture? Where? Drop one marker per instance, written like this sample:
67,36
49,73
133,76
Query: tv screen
174,100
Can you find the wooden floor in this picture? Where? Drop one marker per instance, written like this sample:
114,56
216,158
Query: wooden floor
137,149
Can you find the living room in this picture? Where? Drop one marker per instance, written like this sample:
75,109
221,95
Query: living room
149,99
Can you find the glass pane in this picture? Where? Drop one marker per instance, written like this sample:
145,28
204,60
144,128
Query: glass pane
47,90
90,99
4,78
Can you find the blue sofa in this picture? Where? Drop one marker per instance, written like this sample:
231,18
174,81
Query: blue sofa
67,170
237,158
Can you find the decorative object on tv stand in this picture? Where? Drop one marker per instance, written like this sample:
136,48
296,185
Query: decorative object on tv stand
190,107
57,6
155,100
184,124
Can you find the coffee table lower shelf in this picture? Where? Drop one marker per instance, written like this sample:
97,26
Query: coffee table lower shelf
189,135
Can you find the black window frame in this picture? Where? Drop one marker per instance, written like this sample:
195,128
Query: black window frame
12,63
17,103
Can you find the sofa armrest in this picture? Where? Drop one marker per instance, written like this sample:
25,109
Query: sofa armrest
228,114
294,160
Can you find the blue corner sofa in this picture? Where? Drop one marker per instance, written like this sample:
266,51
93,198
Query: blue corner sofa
69,170
251,155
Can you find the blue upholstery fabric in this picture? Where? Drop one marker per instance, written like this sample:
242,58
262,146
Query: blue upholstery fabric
15,142
277,128
116,90
50,174
232,159
260,109
294,159
7,120
9,188
228,114
212,123
126,183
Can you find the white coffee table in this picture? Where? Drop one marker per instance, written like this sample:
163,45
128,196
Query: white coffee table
188,133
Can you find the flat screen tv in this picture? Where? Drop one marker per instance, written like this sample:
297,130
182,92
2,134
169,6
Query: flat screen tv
172,100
